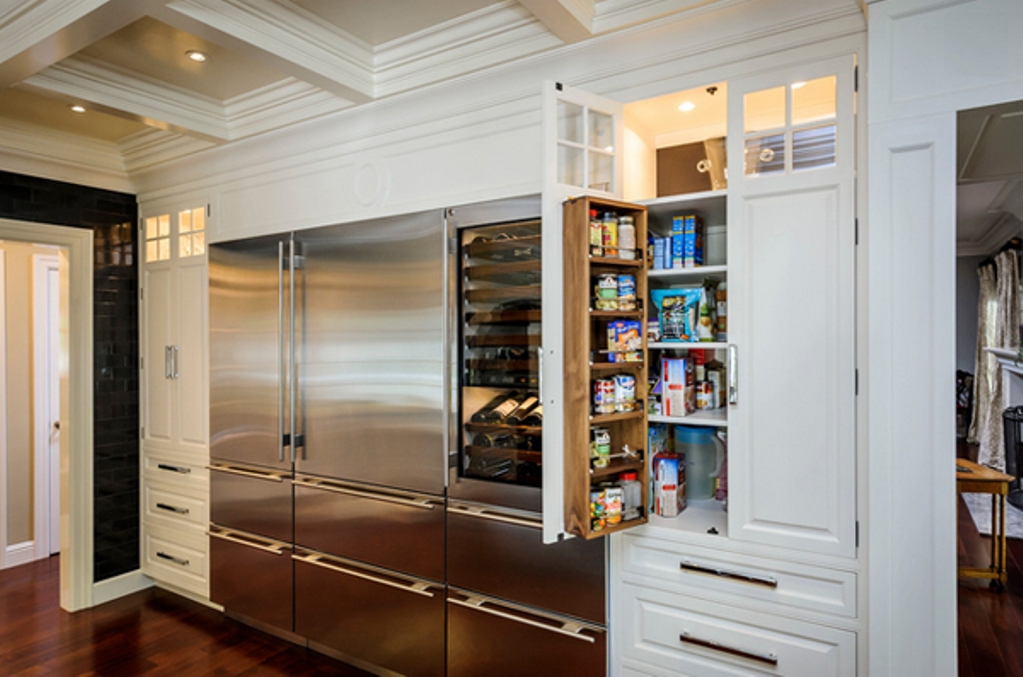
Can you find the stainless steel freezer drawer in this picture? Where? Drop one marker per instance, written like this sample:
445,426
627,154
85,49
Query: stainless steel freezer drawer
257,500
251,576
369,615
385,527
490,637
501,553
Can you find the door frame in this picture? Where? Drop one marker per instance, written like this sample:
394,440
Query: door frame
76,399
42,264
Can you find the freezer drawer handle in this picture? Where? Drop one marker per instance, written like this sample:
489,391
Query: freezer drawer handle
417,587
568,629
172,508
174,468
417,502
171,558
768,658
483,513
688,565
270,477
273,547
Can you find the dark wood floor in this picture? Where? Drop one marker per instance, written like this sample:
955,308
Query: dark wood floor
148,633
990,623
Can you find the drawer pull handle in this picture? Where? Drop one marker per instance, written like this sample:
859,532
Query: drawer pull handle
416,587
767,581
487,514
172,508
767,659
248,540
568,629
174,468
171,558
411,500
268,476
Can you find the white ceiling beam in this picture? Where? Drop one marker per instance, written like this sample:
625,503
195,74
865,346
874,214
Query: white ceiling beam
127,95
570,20
283,36
35,34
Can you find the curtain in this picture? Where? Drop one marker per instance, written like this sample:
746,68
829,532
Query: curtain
998,322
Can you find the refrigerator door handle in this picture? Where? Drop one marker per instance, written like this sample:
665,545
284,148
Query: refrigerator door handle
416,587
240,538
292,376
410,500
573,629
280,351
494,516
257,474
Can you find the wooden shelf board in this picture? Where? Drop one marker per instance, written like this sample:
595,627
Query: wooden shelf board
501,427
504,317
614,314
612,366
498,340
615,262
611,418
621,526
616,466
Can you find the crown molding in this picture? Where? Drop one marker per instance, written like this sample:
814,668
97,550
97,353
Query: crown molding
120,91
28,22
1002,229
488,37
279,104
39,151
151,147
326,56
570,20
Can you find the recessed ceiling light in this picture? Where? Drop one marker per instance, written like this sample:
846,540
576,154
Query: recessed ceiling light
196,55
77,109
686,106
797,85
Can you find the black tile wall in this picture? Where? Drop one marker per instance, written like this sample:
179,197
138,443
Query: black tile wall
112,217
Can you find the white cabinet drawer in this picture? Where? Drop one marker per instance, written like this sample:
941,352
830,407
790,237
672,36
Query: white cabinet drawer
689,636
176,469
752,582
180,561
175,507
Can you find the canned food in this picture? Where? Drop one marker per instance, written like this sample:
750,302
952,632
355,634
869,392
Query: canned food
625,393
600,447
604,396
610,234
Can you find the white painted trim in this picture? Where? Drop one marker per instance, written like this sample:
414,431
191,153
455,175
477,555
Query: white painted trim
3,407
76,562
151,147
41,265
119,586
18,554
278,105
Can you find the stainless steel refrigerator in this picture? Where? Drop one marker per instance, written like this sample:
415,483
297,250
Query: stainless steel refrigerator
355,505
328,438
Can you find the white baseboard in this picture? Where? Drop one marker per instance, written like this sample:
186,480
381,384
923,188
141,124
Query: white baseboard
188,594
119,586
17,554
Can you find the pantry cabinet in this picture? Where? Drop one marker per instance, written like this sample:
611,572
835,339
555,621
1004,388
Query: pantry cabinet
767,581
174,435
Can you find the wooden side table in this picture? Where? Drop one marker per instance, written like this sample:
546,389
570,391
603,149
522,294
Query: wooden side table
972,478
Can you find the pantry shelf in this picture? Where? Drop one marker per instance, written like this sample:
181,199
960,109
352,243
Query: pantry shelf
707,417
687,274
687,345
700,517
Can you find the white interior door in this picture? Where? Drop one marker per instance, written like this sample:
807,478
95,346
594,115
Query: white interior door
791,286
53,400
582,152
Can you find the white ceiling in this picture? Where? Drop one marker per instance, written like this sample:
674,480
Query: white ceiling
272,63
989,197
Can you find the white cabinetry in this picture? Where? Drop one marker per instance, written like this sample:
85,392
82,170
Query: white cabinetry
770,585
175,438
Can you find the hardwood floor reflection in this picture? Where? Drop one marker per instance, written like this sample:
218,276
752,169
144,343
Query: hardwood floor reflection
152,632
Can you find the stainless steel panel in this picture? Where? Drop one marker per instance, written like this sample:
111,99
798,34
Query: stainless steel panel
489,637
481,491
251,576
245,280
502,553
251,499
371,353
394,622
398,530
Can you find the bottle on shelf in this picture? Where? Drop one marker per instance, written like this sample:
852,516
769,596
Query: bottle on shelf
632,495
498,408
535,417
519,415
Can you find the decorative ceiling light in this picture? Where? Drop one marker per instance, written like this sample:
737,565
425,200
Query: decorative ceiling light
196,55
686,106
797,85
77,109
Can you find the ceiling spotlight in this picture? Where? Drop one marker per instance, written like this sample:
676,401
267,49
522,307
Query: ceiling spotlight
686,106
797,85
77,109
196,55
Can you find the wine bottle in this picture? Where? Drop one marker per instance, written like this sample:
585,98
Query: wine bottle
518,416
535,417
496,409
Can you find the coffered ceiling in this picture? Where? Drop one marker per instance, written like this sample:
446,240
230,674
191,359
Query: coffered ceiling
270,63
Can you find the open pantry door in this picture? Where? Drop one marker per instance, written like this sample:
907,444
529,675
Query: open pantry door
792,308
582,154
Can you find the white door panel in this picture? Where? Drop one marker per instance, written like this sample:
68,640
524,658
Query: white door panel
192,410
158,313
